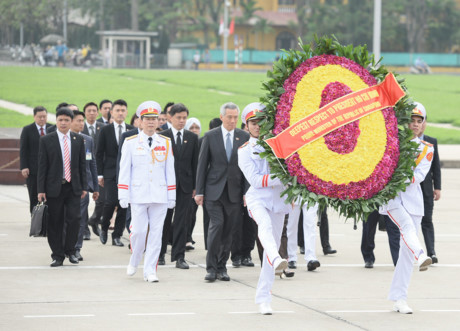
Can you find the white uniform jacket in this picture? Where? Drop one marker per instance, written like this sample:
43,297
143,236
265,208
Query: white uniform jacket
264,189
147,173
412,198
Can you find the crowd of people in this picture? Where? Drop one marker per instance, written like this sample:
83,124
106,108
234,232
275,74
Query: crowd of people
152,175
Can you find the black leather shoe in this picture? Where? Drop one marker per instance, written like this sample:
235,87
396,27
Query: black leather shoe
181,264
86,236
103,237
78,256
288,273
369,264
237,263
313,264
189,247
117,242
292,265
329,251
223,276
56,263
210,276
434,259
161,260
302,250
247,262
73,259
95,227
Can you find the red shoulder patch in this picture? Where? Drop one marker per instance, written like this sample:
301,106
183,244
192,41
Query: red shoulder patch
429,157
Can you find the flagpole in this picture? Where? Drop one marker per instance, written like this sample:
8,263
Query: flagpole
227,4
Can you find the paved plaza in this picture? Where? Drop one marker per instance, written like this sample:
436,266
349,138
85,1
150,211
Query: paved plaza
340,295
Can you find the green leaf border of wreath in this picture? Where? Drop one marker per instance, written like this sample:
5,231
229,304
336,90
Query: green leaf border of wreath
358,209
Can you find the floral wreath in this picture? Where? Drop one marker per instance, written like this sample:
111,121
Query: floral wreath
359,166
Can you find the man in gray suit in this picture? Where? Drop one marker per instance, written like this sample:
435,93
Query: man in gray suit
220,185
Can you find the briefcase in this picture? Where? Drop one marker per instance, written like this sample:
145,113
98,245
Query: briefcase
39,220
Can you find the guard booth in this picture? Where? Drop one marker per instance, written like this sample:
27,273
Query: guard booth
126,48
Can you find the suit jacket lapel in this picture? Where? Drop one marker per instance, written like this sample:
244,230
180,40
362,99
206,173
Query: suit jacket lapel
220,138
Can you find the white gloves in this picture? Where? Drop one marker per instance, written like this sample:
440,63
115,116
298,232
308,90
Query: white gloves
124,203
171,204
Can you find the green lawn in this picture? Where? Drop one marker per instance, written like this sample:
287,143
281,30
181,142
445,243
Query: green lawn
203,92
13,119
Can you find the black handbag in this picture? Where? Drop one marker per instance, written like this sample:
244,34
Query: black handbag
39,220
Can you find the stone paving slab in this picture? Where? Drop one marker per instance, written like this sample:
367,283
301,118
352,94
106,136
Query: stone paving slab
340,295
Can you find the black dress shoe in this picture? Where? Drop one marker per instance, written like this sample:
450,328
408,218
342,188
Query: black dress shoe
369,264
223,276
86,236
313,264
292,265
73,259
161,260
181,264
189,247
434,259
78,256
95,227
247,262
288,273
302,250
56,263
329,250
210,276
117,242
237,263
103,237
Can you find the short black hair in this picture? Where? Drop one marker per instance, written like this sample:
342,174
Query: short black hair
64,111
119,102
178,108
39,109
243,125
78,113
104,101
62,105
90,104
133,118
214,123
169,104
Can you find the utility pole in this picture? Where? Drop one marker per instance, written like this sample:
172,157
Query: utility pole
64,21
377,29
226,6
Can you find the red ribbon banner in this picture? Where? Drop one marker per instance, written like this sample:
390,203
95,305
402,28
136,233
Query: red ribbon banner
336,114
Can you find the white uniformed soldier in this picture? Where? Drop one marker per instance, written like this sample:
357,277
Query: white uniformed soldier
265,206
406,211
147,181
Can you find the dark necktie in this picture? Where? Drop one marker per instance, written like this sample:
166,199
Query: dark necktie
119,134
42,133
150,141
178,141
228,147
91,131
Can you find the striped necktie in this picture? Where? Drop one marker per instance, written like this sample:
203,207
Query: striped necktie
66,160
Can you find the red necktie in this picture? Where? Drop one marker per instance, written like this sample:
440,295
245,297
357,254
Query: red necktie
66,160
42,133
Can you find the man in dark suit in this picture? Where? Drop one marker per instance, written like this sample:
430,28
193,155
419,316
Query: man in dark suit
28,151
106,159
62,183
104,107
76,126
220,185
93,128
431,189
166,110
185,149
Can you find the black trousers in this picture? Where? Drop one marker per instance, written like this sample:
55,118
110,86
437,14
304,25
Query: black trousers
83,221
191,215
368,236
31,182
248,236
180,226
166,237
64,209
111,201
222,216
427,226
99,206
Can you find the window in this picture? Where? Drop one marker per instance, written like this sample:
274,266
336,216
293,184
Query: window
285,40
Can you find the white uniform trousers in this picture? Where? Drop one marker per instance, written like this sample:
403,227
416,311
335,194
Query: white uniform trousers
146,217
309,232
270,228
409,249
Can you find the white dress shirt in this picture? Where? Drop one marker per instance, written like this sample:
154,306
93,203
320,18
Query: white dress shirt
123,129
39,127
224,135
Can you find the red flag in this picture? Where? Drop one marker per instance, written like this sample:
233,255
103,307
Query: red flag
231,29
